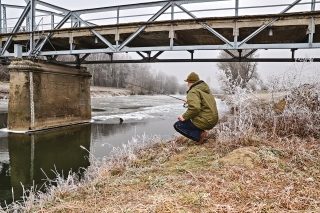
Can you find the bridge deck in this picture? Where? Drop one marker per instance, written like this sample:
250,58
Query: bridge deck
291,28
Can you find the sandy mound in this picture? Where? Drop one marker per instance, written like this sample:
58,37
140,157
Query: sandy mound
244,157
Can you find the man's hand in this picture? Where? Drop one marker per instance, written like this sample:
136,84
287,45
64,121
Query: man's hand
180,118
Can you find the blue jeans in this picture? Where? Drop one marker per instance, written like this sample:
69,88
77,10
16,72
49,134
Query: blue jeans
188,129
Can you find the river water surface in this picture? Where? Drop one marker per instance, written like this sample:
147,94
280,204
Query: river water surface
29,159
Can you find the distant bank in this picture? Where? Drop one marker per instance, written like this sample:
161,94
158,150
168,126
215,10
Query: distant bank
95,91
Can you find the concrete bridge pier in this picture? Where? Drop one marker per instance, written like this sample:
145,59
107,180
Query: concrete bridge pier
44,95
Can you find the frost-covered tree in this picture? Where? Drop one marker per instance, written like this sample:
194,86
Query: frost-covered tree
237,74
183,88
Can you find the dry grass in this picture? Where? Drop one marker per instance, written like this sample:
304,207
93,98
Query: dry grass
179,176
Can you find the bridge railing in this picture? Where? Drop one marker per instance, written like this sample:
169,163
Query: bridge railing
47,19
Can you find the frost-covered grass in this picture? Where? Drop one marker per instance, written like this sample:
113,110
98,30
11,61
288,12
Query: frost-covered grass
265,158
179,176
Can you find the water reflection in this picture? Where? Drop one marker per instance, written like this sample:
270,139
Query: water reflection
27,154
31,153
105,136
3,119
112,127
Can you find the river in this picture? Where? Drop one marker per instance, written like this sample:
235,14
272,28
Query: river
28,159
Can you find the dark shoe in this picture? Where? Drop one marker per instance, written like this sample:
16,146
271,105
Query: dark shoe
209,137
203,136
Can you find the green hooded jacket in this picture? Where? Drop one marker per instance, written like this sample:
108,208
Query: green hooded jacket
202,107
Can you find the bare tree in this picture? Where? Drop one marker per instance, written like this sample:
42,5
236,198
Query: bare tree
120,71
108,75
237,74
160,81
183,88
143,80
171,85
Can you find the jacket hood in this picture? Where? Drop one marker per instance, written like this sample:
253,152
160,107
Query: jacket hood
200,85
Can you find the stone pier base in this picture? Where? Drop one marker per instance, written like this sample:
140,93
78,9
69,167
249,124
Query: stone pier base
45,95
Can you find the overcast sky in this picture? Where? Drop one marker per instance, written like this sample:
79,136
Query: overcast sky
181,70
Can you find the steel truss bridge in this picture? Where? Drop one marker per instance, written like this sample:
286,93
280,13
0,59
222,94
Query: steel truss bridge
152,28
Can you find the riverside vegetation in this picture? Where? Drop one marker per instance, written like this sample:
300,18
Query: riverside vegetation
264,158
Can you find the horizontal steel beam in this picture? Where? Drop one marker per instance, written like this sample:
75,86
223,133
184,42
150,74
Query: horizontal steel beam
191,60
38,10
177,48
114,8
53,6
141,5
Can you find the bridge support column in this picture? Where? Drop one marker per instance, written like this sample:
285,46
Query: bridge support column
44,95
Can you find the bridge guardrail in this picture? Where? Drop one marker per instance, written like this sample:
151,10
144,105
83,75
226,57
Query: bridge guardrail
117,15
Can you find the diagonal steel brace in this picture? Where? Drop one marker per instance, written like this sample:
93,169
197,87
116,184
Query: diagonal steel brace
268,24
154,17
95,33
206,26
142,56
37,49
16,27
84,58
250,53
230,53
156,56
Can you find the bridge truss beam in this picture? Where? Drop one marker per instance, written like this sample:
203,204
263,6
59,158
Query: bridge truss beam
130,41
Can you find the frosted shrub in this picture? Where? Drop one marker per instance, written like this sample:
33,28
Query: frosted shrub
292,110
240,120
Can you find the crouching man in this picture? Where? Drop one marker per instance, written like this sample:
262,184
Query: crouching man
202,113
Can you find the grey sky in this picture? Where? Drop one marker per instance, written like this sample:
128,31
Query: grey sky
205,70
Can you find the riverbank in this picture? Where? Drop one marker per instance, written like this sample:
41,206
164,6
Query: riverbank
267,162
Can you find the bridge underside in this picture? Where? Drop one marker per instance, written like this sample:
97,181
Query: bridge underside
290,31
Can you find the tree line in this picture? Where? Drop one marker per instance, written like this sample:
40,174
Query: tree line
141,78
